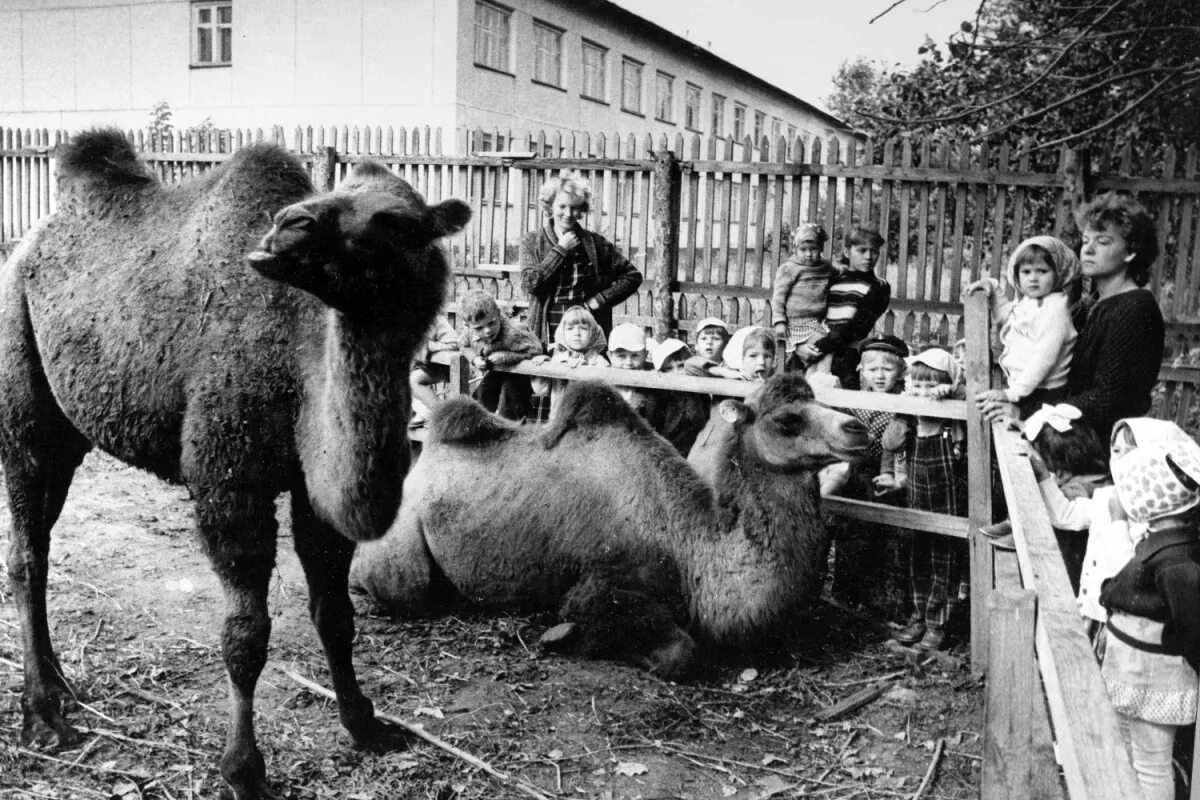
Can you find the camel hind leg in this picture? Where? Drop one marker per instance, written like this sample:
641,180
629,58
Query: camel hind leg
40,450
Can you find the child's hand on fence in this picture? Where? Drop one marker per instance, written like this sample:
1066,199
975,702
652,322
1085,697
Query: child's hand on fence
942,391
539,360
990,396
982,286
1040,470
886,484
481,363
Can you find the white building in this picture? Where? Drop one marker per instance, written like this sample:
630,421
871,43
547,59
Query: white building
526,65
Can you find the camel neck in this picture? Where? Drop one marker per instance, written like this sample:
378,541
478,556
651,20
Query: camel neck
353,439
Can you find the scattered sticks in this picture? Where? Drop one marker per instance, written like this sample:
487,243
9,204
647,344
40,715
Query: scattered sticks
932,768
517,783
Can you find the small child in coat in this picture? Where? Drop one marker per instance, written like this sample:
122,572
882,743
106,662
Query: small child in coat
935,480
800,296
441,337
1153,633
749,355
676,416
627,350
578,342
490,339
857,298
1036,331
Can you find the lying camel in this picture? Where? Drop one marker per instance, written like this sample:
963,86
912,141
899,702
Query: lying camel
598,518
133,320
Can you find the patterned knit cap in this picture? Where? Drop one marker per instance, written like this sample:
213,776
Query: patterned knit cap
1159,475
1062,259
809,232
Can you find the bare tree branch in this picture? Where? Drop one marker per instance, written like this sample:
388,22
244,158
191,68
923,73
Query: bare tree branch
885,11
1108,123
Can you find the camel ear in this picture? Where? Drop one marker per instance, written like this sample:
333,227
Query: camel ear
448,217
735,413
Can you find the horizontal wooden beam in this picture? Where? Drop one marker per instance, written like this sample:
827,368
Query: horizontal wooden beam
880,514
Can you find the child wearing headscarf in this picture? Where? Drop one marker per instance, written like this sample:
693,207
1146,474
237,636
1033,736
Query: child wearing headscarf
578,342
1153,648
1036,330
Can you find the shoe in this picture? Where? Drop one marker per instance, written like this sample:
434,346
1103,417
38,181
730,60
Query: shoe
934,639
911,633
996,530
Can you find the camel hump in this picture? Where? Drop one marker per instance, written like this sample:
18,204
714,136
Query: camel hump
373,176
100,160
591,406
461,420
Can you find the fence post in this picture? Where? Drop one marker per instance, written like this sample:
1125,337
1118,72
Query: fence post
666,241
1074,169
324,168
977,329
1012,689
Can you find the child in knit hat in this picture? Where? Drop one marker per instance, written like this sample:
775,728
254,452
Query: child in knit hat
799,297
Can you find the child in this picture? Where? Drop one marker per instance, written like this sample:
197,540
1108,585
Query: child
1036,331
712,334
677,416
1153,635
578,342
627,350
1071,467
856,300
749,355
440,338
800,296
935,480
490,339
881,369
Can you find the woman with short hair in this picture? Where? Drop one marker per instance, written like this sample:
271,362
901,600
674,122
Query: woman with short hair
563,265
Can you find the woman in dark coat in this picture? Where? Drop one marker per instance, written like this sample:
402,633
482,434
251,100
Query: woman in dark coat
563,265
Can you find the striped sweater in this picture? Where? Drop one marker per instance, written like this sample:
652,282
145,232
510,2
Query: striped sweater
856,300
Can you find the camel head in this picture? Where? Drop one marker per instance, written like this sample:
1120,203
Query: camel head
368,248
784,427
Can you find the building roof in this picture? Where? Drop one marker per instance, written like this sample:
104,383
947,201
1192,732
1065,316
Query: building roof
606,7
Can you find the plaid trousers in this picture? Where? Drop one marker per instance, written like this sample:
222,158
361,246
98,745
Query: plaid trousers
935,483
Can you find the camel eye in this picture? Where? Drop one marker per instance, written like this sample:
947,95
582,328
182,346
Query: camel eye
298,223
790,422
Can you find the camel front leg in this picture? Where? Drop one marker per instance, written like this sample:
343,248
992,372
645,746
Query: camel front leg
36,497
239,536
325,555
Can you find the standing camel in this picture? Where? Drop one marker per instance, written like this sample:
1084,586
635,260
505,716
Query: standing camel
134,321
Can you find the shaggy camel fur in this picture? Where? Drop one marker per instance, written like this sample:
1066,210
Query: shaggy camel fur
599,518
132,320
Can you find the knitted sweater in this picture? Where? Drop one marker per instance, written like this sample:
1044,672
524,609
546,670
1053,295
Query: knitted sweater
855,302
1038,340
800,291
612,281
1116,359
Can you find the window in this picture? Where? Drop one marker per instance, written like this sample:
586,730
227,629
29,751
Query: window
739,121
760,120
213,40
664,108
718,116
631,85
547,54
492,37
791,135
595,71
776,130
691,108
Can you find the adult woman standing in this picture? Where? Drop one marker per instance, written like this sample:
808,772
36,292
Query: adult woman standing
1120,346
563,265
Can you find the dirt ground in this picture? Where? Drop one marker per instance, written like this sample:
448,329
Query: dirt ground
135,613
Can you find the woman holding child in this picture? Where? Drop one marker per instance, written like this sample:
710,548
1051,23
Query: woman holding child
563,265
1115,360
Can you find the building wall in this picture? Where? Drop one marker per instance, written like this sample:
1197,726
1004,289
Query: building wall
492,99
355,62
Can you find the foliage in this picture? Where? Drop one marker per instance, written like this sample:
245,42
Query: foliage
161,127
1043,73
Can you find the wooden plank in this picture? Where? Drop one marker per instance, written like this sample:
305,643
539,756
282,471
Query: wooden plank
1007,772
831,193
979,471
743,218
979,198
942,155
1090,746
904,518
924,197
1187,299
1163,219
960,222
921,174
885,200
691,184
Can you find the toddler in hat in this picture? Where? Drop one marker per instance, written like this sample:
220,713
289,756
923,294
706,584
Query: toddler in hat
1153,647
627,350
799,297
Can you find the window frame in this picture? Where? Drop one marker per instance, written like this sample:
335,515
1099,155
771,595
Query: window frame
717,118
214,27
560,80
506,48
596,47
691,121
760,122
739,121
669,116
640,67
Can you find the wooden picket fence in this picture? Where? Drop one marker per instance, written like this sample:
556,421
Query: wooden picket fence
708,239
